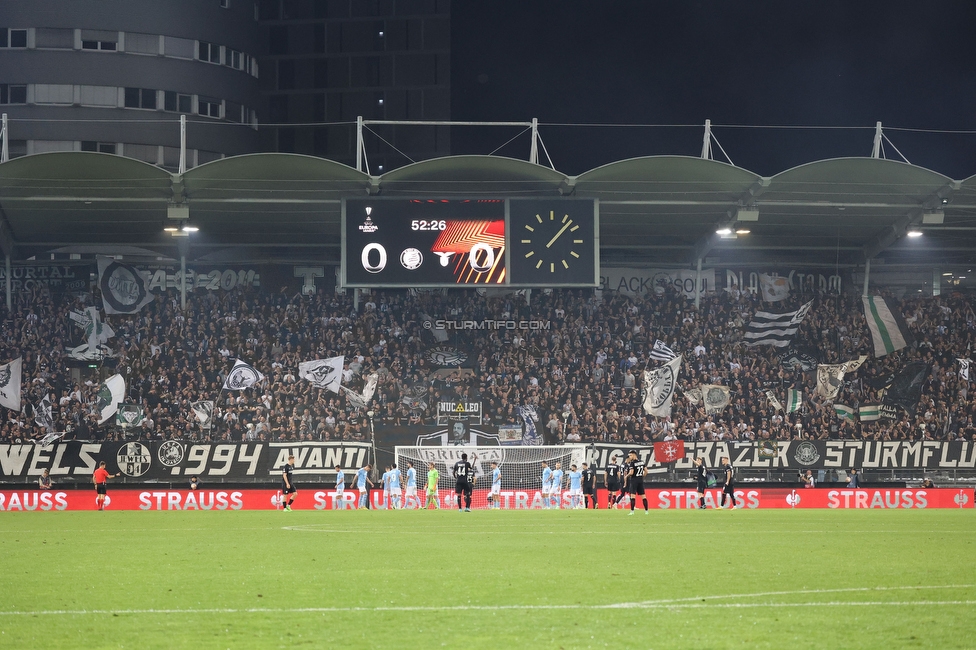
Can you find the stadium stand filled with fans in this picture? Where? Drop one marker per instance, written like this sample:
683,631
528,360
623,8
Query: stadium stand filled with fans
583,374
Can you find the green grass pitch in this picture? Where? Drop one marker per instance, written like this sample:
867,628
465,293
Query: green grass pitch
489,579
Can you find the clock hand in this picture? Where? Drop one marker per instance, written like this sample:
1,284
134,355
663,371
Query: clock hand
561,231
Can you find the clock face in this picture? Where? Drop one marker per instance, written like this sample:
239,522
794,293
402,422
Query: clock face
552,242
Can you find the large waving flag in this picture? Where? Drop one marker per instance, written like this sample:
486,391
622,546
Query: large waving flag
323,373
661,352
777,330
774,288
889,331
110,395
10,379
242,376
659,387
124,289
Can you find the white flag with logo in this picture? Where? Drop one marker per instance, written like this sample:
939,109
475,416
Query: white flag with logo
323,373
241,376
10,377
203,410
964,368
659,386
110,395
774,288
124,289
716,398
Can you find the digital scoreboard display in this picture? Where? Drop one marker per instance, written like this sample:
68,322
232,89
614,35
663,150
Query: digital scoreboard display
392,242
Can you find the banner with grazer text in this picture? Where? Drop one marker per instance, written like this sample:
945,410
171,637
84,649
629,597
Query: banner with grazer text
327,499
137,462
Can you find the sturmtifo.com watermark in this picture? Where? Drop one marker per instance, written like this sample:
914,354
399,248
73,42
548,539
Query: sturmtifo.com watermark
487,324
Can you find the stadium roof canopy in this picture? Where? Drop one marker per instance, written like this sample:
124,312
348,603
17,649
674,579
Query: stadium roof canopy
658,210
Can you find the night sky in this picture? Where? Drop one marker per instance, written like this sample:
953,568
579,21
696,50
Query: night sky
823,63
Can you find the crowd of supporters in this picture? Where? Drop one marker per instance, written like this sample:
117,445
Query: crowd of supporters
582,371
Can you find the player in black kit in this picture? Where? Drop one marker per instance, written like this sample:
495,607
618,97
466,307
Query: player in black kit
729,488
589,486
635,480
461,486
288,489
702,475
611,477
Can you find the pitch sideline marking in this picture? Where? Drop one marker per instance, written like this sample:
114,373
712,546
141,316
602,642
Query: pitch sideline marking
677,603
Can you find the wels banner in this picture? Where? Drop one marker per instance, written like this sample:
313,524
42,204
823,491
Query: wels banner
667,499
74,462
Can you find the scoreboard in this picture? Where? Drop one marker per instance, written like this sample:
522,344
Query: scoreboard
395,242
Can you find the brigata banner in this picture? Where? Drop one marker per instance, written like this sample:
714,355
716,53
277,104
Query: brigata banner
669,499
73,462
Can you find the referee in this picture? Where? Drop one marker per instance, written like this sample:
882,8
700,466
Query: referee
100,479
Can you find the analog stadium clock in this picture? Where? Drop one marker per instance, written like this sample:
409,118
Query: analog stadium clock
553,242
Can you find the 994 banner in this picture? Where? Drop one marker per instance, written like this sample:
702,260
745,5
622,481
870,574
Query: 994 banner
388,242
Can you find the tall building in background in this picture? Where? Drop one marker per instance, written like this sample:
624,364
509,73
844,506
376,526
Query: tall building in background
114,76
334,60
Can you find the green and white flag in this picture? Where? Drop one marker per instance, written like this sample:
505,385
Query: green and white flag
794,400
844,411
869,412
129,415
110,395
889,331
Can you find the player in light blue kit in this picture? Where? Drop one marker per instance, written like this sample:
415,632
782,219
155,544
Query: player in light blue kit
546,485
362,478
396,493
575,487
556,489
340,489
385,479
411,496
495,495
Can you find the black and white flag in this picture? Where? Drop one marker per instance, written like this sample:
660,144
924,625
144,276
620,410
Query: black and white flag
964,368
44,414
906,388
661,352
242,376
124,289
323,373
130,415
10,379
361,400
203,410
659,386
96,334
777,330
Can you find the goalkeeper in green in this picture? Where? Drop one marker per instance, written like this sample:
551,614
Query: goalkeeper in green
432,477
